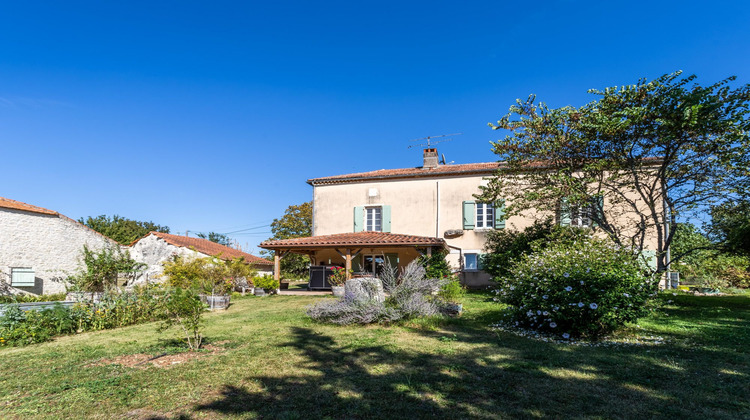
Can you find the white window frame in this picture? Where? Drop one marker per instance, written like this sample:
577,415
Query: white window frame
580,216
17,272
484,216
376,223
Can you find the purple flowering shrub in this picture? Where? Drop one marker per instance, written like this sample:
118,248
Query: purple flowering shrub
584,289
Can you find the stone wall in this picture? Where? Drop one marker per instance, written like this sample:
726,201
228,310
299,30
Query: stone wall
154,251
49,244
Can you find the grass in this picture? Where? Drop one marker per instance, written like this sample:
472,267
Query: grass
278,364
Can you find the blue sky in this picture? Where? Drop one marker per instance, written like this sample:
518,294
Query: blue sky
210,116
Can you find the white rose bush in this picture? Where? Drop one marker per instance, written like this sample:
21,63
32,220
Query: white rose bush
585,289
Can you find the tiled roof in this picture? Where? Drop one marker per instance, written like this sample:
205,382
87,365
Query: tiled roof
418,172
209,248
358,239
17,205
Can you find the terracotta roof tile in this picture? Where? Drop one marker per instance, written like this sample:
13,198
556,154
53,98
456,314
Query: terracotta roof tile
17,205
418,172
358,239
209,248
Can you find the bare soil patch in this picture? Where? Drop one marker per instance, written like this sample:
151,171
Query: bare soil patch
143,361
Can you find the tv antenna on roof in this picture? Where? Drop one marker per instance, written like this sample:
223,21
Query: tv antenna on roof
430,142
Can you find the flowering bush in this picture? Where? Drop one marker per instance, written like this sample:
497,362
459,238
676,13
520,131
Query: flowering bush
338,278
587,288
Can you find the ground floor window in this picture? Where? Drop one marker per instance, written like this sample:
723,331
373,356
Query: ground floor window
22,277
471,261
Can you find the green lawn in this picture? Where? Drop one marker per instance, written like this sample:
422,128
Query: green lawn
278,364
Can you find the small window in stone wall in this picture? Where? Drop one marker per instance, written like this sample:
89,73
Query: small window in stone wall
22,277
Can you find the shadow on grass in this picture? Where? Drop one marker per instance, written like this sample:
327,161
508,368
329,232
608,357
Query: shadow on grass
476,373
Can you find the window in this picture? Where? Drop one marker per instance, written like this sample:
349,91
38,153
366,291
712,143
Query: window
580,216
485,216
471,261
373,219
22,277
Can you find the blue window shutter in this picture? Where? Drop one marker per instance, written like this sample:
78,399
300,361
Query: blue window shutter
359,218
22,277
564,212
480,261
598,209
386,213
500,214
469,214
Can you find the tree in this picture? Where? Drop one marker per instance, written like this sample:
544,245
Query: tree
122,230
295,223
219,238
101,270
653,153
730,226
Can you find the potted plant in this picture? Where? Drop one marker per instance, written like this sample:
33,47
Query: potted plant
265,284
338,280
452,293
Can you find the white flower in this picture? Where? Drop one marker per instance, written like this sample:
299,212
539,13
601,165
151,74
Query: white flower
545,313
545,297
538,312
566,275
581,282
567,289
566,336
593,306
552,325
580,304
615,308
626,295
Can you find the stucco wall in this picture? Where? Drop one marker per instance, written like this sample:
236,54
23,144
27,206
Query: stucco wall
51,245
429,207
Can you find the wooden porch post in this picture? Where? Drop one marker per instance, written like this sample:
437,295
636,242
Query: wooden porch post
348,263
276,265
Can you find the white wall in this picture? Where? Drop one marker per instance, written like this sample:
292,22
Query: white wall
50,244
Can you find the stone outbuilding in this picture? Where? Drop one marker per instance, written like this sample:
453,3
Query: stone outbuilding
157,247
39,248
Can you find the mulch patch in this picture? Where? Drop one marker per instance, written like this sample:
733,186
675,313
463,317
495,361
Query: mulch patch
143,361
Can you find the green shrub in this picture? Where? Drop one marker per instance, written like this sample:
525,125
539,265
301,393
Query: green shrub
505,246
452,291
436,266
587,288
266,281
32,298
183,308
210,275
102,269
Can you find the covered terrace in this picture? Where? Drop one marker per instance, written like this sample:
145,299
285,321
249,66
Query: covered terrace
361,252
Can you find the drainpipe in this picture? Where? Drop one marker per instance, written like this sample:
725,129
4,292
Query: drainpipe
437,213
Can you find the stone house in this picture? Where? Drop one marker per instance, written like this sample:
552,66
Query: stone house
414,211
39,248
157,247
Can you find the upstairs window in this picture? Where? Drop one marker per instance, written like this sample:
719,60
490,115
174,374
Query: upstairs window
582,215
373,219
485,216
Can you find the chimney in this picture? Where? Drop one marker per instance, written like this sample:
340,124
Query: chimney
430,159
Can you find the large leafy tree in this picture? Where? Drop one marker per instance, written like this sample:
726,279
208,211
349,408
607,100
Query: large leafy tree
641,157
121,229
730,226
295,223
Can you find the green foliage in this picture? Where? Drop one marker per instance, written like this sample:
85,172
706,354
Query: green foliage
184,309
435,265
219,238
690,246
210,275
295,223
506,246
587,288
669,141
102,270
19,328
730,226
266,282
122,230
32,298
452,291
